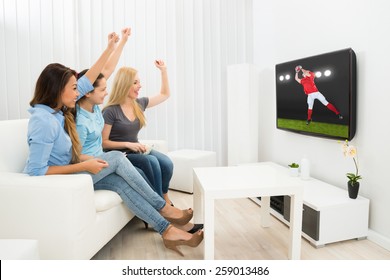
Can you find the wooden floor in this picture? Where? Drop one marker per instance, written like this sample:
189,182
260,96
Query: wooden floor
238,236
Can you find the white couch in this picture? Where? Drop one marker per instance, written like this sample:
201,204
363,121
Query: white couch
63,212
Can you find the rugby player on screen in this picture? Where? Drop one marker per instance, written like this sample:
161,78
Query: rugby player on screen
312,92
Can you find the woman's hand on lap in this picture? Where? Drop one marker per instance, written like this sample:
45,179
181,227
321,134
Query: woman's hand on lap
136,147
95,165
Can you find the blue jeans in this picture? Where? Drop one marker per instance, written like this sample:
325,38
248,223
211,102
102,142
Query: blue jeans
144,167
134,201
157,167
140,171
131,183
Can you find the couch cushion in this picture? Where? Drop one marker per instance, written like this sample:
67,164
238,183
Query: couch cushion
105,200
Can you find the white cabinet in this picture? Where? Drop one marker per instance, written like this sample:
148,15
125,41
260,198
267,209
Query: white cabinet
329,215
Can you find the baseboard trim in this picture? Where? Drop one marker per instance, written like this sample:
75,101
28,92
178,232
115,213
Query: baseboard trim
379,239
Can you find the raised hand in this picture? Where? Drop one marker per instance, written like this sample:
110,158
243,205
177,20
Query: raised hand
126,33
160,64
113,38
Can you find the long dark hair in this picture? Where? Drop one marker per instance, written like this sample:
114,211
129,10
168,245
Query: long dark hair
48,90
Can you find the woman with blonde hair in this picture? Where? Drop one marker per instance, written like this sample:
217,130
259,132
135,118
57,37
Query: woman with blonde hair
124,118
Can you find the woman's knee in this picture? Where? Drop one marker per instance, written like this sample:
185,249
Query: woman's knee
140,161
164,161
153,160
112,157
114,154
166,164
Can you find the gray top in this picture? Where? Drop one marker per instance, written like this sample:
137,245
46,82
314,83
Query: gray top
123,130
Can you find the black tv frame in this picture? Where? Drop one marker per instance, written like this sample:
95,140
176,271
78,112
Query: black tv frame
290,95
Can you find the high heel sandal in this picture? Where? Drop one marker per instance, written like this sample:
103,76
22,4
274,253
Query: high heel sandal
195,228
187,216
146,224
172,244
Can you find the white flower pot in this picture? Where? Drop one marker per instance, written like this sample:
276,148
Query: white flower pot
294,172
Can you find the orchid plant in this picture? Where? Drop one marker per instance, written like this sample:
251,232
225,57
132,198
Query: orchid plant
351,151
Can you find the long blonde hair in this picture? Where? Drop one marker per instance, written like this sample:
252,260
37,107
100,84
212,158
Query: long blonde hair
124,80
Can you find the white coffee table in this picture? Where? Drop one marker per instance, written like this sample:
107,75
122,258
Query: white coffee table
211,183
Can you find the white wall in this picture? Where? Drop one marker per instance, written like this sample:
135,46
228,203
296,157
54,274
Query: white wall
32,34
196,38
287,30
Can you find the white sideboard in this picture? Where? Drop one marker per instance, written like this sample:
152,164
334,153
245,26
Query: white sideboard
329,215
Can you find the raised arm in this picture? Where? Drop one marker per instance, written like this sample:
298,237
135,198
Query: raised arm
297,69
164,91
297,78
96,69
112,62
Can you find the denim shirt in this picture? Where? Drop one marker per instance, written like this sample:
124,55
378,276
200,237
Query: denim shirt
49,144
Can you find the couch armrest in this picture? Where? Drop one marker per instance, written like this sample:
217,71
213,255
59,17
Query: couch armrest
53,209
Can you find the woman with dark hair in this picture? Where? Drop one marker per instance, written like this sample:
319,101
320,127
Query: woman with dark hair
89,113
55,149
90,121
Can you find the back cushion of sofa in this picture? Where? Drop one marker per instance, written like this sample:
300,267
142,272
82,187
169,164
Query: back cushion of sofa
13,145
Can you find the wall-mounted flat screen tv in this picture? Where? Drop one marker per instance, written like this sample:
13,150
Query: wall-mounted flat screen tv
316,95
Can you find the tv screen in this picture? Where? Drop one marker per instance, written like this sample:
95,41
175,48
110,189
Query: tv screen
317,95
